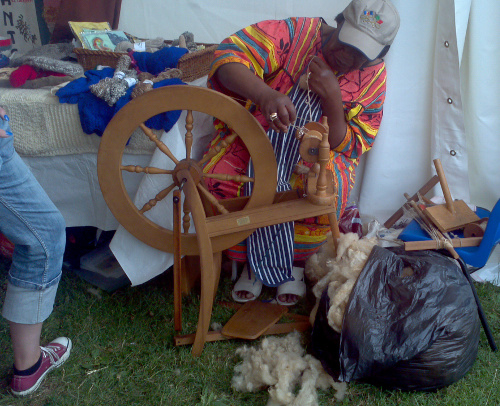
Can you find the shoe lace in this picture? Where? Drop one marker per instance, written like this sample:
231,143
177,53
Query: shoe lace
51,353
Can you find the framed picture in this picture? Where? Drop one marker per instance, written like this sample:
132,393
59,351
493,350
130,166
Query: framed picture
117,36
78,27
97,41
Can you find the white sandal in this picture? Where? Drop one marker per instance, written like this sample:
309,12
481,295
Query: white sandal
295,287
247,282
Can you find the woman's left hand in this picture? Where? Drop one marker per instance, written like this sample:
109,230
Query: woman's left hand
322,80
325,84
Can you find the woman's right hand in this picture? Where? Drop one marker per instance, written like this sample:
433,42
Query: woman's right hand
4,125
277,108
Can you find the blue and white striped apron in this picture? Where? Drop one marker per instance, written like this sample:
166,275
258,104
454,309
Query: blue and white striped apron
270,249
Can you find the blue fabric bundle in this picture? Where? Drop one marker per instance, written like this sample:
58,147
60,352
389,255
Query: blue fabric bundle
156,62
95,113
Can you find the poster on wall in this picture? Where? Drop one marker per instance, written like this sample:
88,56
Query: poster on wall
21,21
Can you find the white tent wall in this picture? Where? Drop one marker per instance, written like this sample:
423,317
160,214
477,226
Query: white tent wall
423,114
480,71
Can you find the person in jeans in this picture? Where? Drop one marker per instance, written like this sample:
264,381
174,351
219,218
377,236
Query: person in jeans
31,221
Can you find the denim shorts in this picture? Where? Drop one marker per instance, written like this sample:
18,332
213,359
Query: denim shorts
31,221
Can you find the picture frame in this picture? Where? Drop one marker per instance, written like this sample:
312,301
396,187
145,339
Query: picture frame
78,27
117,36
97,41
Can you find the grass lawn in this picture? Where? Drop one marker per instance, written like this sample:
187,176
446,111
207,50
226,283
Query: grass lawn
124,355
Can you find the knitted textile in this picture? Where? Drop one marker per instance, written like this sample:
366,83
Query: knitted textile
49,57
111,89
5,44
95,113
53,128
26,72
4,61
52,51
158,61
44,81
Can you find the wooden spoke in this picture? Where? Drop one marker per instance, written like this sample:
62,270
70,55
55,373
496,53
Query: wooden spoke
160,196
223,144
189,134
234,178
162,147
147,169
210,197
186,219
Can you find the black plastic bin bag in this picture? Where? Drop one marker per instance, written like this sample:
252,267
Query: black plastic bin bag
411,324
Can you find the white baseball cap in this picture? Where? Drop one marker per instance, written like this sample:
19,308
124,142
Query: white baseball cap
369,26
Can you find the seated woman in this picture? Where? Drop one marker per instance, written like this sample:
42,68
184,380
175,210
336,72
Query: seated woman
260,66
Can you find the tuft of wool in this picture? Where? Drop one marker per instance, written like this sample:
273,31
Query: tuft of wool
337,271
280,365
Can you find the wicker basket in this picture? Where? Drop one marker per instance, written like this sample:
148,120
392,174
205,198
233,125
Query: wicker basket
193,65
89,59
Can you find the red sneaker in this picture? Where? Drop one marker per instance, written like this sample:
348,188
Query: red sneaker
53,356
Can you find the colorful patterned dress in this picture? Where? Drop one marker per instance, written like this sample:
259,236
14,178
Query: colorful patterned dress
279,51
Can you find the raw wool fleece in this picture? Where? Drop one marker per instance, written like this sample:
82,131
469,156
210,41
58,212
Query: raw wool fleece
279,365
337,271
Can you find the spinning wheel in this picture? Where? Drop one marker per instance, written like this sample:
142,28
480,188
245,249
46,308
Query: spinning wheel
237,218
169,98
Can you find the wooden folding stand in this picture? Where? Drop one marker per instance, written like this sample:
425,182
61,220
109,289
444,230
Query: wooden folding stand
437,221
452,215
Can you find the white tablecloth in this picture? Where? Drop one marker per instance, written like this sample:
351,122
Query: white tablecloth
139,261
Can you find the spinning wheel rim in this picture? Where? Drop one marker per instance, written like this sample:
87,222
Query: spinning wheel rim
179,97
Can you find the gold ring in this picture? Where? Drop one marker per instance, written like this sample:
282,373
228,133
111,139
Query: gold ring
273,116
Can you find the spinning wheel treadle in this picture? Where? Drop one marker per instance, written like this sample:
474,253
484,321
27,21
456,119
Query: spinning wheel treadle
218,232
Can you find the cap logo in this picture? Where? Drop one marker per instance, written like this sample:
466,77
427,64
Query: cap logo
371,18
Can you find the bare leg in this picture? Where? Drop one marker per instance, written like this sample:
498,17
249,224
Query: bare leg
26,344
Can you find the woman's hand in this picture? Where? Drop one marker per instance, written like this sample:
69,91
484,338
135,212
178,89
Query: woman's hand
323,81
4,124
277,108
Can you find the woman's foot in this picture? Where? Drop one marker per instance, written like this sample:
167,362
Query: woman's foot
289,293
247,288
